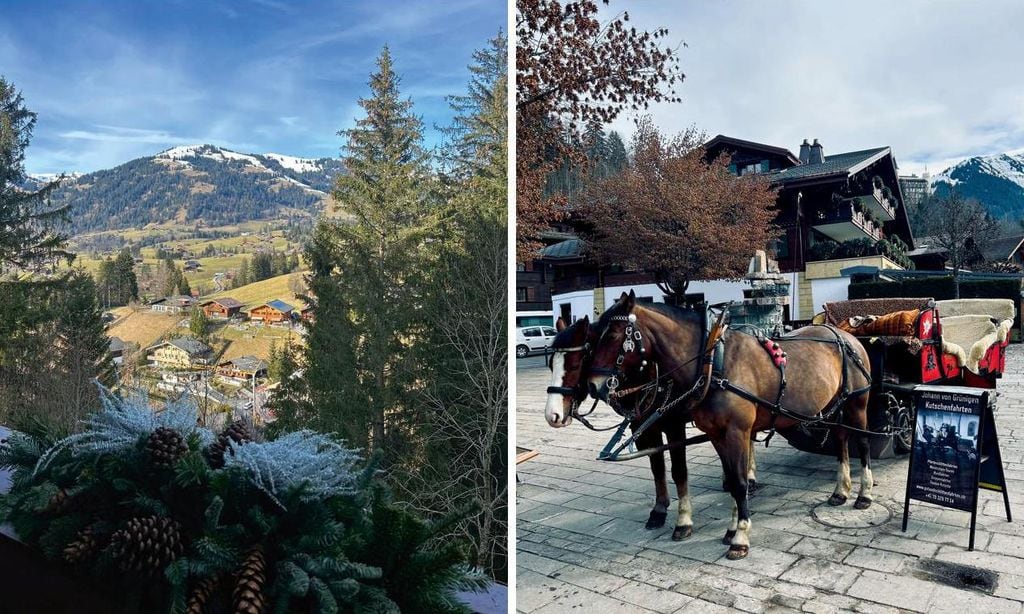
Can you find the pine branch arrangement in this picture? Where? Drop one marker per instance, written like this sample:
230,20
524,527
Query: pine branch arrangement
296,523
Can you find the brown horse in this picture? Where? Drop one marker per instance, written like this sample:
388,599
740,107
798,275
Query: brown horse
829,381
568,389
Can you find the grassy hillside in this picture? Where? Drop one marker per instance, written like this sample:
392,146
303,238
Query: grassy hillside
263,291
144,327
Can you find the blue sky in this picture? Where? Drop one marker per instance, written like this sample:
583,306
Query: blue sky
937,81
116,80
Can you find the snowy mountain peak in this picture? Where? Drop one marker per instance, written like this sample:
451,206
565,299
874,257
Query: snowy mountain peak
996,181
1008,166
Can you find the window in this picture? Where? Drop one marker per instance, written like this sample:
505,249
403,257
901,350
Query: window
531,332
549,332
755,167
522,294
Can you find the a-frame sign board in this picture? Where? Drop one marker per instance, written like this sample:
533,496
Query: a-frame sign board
955,450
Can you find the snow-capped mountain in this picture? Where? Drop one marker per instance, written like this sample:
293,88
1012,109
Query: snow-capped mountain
195,182
996,181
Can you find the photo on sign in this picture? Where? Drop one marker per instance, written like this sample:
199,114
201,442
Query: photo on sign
946,452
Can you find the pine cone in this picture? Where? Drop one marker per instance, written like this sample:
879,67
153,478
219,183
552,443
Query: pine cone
235,432
201,595
82,548
248,596
57,503
146,545
165,446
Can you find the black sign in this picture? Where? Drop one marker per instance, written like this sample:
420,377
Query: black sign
955,450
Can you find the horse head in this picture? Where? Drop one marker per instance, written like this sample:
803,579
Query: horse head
568,388
618,354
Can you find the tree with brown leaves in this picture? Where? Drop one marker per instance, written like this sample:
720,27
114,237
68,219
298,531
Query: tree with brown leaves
572,69
676,215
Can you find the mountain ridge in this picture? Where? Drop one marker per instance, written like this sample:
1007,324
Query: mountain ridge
997,181
192,183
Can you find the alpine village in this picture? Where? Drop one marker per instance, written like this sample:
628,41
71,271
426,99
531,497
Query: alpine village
255,382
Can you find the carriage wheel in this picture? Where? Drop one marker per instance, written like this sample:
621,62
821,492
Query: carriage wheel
904,440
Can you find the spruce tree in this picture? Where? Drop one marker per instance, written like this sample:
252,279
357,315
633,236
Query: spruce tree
128,285
378,268
28,235
197,324
617,157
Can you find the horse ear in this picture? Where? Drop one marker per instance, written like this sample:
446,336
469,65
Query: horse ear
631,299
623,297
586,320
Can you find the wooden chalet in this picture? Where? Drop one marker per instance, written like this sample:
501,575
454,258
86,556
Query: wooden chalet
182,353
271,312
824,199
243,367
225,307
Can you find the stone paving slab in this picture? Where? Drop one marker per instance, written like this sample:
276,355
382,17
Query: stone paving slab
582,546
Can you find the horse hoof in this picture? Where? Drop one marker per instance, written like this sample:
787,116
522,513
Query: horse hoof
681,533
728,537
752,487
836,500
736,553
862,503
656,520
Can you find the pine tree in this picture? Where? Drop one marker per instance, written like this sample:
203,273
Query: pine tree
27,221
197,324
128,285
463,417
380,258
617,157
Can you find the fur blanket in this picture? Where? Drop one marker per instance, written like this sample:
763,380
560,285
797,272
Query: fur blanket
996,308
840,313
968,337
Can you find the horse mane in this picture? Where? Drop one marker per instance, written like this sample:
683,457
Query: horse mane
680,315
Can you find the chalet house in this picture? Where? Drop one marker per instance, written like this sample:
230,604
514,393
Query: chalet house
173,304
242,368
191,265
221,307
181,353
835,212
306,314
271,312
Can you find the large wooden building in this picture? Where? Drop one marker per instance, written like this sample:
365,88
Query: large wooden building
242,368
272,312
835,212
225,307
180,353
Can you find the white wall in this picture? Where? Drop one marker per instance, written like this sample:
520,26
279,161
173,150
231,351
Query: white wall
828,291
582,304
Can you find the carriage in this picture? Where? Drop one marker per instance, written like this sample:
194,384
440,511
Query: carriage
913,341
844,386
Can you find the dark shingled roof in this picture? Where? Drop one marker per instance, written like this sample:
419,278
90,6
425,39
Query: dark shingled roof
833,165
227,302
573,248
1002,248
247,363
192,346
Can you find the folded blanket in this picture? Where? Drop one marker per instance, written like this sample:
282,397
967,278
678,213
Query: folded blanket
896,324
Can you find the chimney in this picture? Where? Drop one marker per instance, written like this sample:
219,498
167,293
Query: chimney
817,153
805,152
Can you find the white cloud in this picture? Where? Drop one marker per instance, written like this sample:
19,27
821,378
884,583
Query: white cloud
937,81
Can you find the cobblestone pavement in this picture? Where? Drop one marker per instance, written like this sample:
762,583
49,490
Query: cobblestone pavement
582,546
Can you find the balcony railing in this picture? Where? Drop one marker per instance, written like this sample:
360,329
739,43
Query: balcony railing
880,206
844,222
